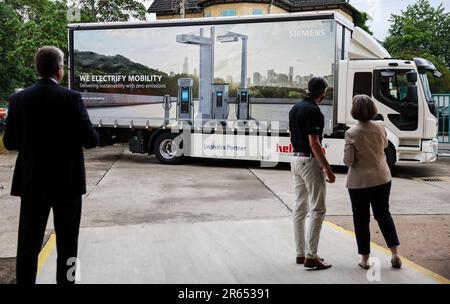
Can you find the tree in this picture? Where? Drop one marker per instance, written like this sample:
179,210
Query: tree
42,22
27,25
109,11
10,73
360,20
423,31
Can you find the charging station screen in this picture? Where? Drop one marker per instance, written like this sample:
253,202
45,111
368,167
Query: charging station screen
184,100
244,97
219,99
185,96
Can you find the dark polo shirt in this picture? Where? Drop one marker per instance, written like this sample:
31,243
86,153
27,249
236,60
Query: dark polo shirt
305,118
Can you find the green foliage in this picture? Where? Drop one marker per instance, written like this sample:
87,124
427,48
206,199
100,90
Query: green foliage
10,72
27,25
437,85
277,92
294,94
360,20
109,11
423,31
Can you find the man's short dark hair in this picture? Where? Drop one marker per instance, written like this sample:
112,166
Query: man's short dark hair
363,109
317,86
47,60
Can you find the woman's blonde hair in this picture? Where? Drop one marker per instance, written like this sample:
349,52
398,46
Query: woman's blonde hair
363,108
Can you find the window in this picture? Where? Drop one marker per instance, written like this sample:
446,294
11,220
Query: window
394,86
257,11
208,14
362,83
390,88
229,12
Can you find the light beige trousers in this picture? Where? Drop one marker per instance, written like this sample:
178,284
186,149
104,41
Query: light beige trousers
310,190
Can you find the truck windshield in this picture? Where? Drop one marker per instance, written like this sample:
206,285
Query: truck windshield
429,98
426,86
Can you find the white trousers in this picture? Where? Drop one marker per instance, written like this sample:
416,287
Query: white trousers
310,190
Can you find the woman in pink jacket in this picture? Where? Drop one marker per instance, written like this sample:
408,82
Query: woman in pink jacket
369,179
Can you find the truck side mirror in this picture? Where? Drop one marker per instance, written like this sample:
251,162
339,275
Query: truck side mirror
411,94
411,77
437,74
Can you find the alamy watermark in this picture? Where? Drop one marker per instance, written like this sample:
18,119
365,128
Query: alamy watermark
373,9
73,14
374,272
74,272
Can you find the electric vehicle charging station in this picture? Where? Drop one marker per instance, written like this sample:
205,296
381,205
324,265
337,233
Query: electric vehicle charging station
243,105
220,104
167,105
185,104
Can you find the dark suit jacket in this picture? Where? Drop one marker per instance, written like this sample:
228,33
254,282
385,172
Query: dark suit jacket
48,125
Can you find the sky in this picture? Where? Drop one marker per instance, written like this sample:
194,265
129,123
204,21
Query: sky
379,10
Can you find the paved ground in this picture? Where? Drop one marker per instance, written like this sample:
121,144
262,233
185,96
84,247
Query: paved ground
184,223
237,251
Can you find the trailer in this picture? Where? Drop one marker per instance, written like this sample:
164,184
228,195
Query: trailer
223,87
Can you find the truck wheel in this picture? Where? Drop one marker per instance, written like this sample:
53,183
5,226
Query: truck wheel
168,150
391,158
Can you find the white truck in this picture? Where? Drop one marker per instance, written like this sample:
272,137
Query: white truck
223,87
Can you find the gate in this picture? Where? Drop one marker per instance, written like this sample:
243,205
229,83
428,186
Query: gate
443,102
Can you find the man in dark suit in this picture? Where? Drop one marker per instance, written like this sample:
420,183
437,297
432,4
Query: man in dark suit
48,125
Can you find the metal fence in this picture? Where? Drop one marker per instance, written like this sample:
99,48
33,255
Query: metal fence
443,102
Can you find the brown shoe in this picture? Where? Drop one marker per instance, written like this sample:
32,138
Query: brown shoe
301,260
316,264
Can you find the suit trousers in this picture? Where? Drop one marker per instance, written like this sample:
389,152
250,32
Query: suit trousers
378,197
310,190
34,215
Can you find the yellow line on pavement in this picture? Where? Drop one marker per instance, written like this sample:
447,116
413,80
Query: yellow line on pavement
51,244
440,279
46,251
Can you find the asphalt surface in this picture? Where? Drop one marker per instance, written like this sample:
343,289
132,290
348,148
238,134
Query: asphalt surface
239,206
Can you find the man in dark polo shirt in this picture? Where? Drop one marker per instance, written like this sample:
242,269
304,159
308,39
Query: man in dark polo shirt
311,171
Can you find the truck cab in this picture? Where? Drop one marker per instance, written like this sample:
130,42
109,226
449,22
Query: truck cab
402,95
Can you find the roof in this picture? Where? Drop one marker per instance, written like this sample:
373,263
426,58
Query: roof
170,7
164,7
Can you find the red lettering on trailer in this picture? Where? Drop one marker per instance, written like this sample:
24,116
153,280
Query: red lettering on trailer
289,149
284,149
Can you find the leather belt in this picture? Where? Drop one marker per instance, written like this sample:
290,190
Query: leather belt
301,154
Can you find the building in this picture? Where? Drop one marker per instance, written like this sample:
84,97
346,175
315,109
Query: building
185,66
170,9
270,75
282,79
256,78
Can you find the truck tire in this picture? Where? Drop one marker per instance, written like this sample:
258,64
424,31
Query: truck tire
391,157
167,150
